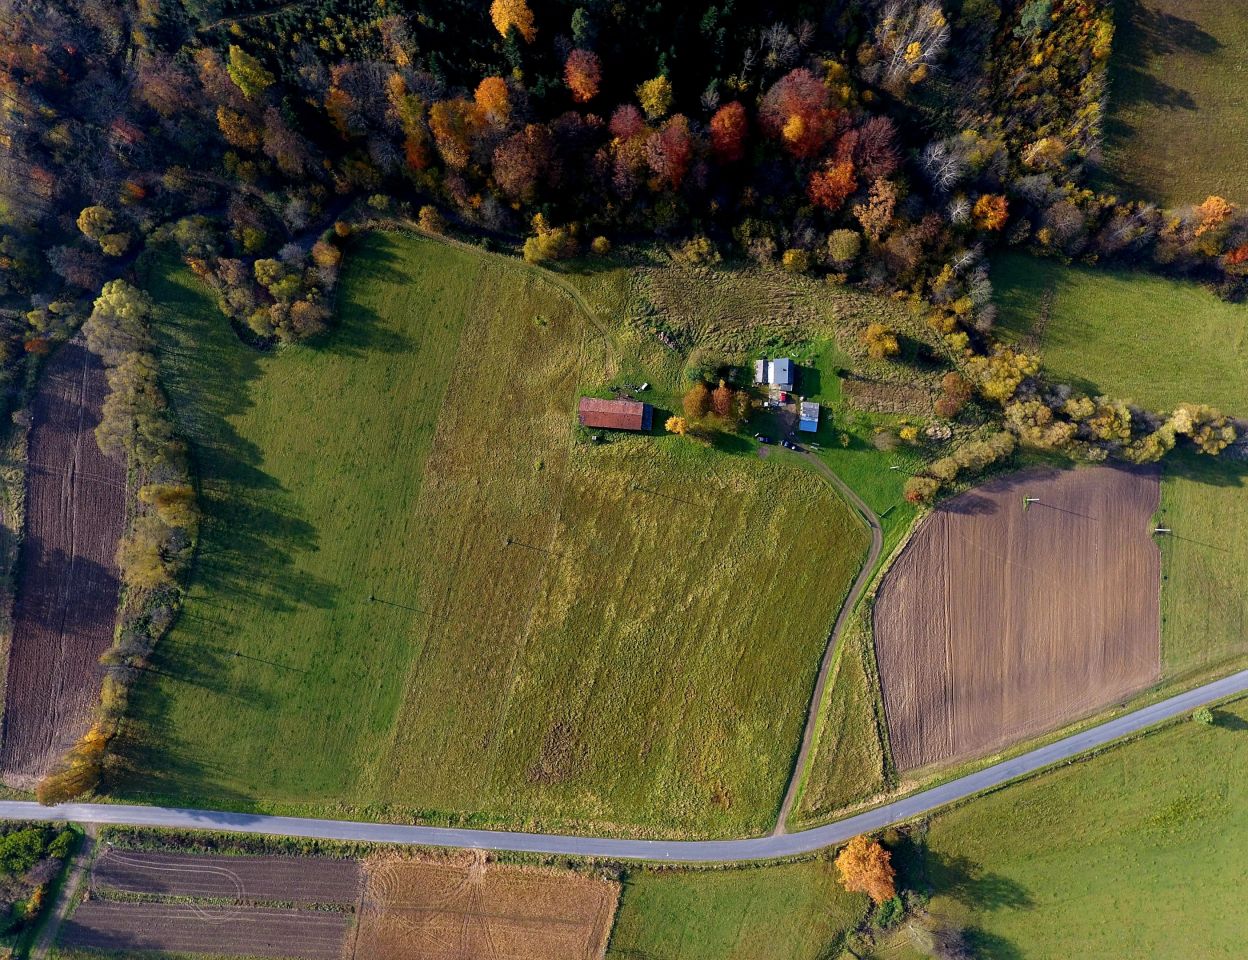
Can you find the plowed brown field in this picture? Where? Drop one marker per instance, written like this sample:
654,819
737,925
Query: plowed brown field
429,909
307,880
191,928
995,623
67,592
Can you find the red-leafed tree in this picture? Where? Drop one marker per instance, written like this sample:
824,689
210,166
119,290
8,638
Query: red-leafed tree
583,74
796,111
669,151
627,122
729,128
524,161
875,149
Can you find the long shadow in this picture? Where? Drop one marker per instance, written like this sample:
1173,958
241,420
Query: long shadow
974,885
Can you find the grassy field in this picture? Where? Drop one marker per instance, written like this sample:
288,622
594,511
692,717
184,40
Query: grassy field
789,912
1138,852
1177,128
848,762
419,593
1204,606
1154,341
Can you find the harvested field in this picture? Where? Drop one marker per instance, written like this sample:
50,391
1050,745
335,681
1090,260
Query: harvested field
304,880
222,931
469,908
996,623
67,594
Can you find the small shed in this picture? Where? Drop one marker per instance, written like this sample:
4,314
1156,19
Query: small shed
809,416
776,373
614,414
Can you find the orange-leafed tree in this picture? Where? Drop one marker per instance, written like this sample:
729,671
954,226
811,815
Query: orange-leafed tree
583,74
513,13
866,867
1211,214
991,211
493,99
729,128
831,186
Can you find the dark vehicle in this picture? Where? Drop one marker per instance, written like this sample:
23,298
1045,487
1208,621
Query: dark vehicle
789,445
762,439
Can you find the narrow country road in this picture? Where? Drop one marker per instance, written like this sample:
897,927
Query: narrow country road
829,652
65,898
723,851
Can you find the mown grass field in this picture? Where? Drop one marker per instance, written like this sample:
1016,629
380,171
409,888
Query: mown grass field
1204,564
621,635
1138,852
1154,341
793,911
1177,127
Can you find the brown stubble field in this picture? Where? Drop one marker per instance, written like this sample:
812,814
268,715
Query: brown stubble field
464,906
996,624
253,906
67,591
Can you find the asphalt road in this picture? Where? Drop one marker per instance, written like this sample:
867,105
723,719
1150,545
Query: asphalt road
778,845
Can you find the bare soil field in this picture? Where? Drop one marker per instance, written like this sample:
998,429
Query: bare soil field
467,907
67,591
998,623
219,930
301,880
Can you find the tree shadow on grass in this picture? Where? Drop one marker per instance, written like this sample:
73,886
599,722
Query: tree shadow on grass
970,883
989,946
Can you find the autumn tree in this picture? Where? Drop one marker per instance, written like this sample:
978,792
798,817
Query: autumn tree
844,247
697,401
248,73
866,867
991,211
141,554
454,127
880,341
493,99
95,221
669,151
430,220
655,96
583,73
548,242
174,503
920,490
876,215
1212,214
78,773
955,393
525,161
722,399
831,186
677,425
796,110
729,128
513,13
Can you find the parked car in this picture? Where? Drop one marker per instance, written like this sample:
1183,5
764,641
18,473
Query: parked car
762,439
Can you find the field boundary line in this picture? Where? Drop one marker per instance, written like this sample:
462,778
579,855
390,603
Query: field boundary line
768,847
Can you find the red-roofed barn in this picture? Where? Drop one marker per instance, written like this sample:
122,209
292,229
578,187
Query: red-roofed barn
614,414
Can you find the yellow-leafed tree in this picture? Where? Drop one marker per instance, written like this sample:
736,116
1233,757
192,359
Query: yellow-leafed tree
513,13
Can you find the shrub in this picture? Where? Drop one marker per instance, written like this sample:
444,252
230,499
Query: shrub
430,220
795,260
601,246
1203,716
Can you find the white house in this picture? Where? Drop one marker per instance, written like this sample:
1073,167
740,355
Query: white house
774,373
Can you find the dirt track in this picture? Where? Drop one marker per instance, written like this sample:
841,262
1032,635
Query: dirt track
67,591
429,909
996,623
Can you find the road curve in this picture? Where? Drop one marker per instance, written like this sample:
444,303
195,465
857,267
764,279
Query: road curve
723,851
829,651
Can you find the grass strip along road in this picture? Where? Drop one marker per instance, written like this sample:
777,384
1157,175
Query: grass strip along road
723,851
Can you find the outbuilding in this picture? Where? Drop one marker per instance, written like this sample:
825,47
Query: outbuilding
615,414
809,416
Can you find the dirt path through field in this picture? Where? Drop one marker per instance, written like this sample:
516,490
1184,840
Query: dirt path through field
82,860
67,587
825,666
